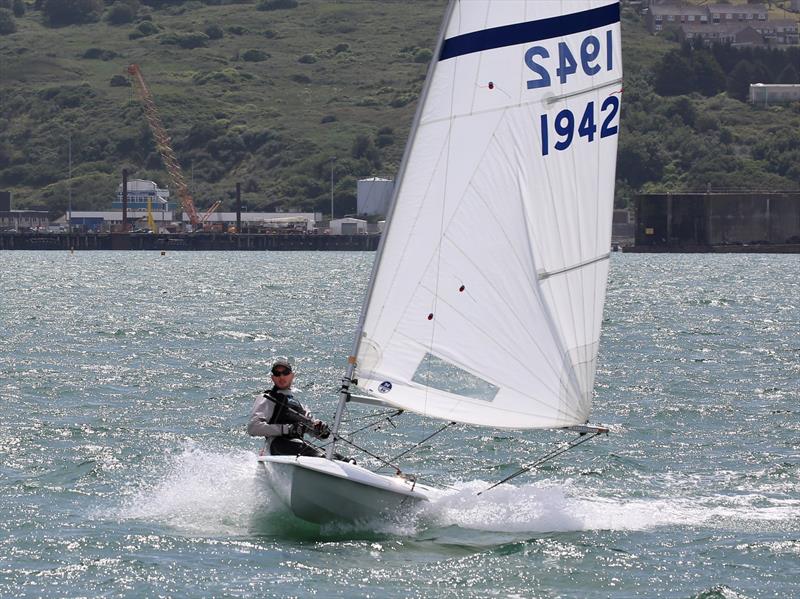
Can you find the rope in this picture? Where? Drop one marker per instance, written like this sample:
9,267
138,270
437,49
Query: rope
369,453
383,461
543,459
390,413
371,424
413,447
358,430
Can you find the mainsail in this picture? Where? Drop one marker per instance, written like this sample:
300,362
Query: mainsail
487,294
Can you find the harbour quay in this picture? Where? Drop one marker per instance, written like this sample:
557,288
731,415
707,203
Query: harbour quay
717,221
197,241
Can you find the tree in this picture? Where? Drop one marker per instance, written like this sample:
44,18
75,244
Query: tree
672,75
682,107
19,8
364,148
276,4
7,22
788,75
214,32
739,80
70,12
120,13
639,160
709,76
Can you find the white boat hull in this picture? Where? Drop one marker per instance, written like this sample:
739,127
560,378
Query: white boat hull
322,491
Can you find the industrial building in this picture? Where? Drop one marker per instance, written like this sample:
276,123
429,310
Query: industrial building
253,222
20,220
717,218
140,194
109,220
348,226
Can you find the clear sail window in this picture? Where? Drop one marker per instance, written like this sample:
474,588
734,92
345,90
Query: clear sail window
440,374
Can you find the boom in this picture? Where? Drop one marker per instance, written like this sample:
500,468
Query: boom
163,144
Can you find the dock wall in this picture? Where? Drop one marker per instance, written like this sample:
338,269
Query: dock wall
186,242
717,218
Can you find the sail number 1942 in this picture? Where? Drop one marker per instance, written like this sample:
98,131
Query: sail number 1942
594,57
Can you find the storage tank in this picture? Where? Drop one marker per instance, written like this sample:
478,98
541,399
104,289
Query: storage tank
374,195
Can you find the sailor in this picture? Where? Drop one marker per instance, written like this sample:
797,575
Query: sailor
277,416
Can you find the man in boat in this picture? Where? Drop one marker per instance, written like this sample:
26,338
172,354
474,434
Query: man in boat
282,420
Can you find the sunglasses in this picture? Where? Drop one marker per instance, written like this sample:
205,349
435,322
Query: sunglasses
281,372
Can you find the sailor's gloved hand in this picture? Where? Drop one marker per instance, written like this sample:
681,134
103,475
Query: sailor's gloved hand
320,430
293,430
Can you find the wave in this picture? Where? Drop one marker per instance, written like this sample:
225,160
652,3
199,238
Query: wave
203,491
567,507
222,493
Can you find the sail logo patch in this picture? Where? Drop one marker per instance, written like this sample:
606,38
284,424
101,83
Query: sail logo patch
385,387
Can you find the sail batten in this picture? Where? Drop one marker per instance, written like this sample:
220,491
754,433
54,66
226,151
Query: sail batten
581,92
486,300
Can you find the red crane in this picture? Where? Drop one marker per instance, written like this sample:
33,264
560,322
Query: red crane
165,148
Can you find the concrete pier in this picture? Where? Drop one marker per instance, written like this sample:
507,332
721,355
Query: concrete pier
186,242
765,248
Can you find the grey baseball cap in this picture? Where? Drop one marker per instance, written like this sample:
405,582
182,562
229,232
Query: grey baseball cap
284,362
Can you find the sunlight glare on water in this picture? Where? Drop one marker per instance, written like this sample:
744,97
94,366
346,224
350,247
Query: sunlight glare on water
126,379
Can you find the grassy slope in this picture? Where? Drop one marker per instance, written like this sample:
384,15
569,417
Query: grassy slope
356,86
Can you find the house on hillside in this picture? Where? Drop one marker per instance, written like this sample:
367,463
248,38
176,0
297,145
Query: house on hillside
739,24
726,13
779,31
733,34
660,16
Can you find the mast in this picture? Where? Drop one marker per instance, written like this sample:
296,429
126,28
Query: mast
351,360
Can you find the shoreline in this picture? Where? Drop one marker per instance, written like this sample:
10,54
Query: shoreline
758,248
209,241
199,241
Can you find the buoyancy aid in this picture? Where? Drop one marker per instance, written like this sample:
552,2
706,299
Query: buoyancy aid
286,409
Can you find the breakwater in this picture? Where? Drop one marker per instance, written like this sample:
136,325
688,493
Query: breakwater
200,241
756,248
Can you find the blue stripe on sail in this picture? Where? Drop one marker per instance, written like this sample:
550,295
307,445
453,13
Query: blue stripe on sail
531,31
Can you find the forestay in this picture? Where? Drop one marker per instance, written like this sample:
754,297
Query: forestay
487,296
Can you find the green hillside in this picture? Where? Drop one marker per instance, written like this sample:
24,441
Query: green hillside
268,97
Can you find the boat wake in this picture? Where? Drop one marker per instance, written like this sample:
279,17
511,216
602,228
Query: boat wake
223,493
567,507
203,491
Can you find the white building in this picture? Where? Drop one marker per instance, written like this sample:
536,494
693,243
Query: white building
140,192
766,94
254,221
348,226
374,195
102,221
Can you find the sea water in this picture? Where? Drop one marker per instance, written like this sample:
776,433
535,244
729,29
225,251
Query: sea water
126,379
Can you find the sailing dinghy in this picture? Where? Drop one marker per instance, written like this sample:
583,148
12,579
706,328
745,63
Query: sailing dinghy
486,296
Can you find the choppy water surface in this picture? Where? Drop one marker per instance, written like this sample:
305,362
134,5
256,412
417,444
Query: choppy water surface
126,379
